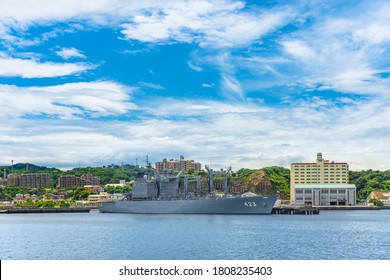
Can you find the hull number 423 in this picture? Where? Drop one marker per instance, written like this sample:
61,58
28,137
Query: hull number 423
250,204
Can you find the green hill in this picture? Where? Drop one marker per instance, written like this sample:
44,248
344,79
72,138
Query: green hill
267,180
27,168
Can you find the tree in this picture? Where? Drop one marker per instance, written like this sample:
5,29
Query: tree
80,193
376,202
47,203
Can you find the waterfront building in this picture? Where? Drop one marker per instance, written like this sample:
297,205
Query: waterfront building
95,199
383,196
173,166
323,182
325,194
36,180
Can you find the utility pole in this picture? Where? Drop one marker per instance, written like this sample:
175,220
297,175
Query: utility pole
147,161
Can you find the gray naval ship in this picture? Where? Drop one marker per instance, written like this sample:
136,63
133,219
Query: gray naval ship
160,195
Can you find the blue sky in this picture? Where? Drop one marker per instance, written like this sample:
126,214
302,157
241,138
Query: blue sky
227,83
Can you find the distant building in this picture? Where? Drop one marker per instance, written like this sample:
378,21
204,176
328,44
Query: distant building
173,166
88,179
122,183
95,199
383,196
36,180
323,182
13,179
68,181
94,188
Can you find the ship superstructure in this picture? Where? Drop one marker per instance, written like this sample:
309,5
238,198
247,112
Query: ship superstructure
160,195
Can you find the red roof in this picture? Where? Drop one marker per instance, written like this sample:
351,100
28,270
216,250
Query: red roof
380,194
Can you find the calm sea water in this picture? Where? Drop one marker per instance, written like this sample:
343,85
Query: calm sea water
331,235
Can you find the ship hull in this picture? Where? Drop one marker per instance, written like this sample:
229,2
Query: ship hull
237,205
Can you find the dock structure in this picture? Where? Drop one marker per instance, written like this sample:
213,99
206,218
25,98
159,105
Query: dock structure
291,210
357,207
25,210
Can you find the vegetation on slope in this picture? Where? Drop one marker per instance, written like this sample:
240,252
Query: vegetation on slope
268,180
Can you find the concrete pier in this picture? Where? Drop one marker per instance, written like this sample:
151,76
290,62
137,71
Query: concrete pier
290,210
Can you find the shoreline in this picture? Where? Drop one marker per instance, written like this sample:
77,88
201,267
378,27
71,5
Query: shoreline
26,210
348,207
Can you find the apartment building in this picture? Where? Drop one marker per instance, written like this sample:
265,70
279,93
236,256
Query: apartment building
323,182
68,181
13,179
171,166
36,180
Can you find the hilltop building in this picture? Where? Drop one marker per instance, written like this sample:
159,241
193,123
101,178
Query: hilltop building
68,181
323,182
172,166
36,180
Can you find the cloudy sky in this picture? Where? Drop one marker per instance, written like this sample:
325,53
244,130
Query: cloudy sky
227,83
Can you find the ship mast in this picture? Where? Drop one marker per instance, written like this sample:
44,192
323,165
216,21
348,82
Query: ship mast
225,179
211,180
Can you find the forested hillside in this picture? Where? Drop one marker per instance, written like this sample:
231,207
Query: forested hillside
268,180
108,174
368,180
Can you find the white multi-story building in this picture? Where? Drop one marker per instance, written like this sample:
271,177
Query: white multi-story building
325,194
323,182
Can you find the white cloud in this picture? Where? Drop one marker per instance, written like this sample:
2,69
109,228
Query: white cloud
208,23
67,53
215,23
151,85
215,133
194,67
31,68
232,86
67,101
344,51
208,85
298,50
